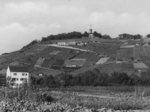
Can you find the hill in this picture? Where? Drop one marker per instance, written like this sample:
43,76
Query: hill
78,55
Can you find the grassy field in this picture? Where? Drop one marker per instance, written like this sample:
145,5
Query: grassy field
125,54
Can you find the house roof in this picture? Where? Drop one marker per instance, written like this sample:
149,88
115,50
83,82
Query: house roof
18,69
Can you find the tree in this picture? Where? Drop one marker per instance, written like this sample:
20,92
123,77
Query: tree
40,82
148,35
101,80
126,36
137,36
71,35
88,78
33,81
120,78
106,36
96,34
85,34
64,79
50,81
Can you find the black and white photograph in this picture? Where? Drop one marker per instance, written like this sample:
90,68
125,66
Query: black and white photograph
74,55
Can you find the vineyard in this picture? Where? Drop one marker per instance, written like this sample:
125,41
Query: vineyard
141,55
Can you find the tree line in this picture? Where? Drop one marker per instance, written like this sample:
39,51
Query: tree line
126,36
63,36
92,78
73,35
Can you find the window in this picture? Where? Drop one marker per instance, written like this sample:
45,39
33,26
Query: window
22,79
14,79
24,74
15,73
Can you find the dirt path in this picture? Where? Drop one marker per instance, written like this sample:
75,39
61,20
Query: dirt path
69,47
97,96
85,94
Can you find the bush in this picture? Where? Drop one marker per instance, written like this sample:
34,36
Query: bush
44,98
120,78
101,80
50,82
88,78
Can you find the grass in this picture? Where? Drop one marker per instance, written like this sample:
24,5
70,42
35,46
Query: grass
117,67
124,97
125,54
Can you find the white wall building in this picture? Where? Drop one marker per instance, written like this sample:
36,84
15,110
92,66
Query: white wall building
62,43
17,75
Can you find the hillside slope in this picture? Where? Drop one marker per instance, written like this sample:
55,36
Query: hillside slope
44,58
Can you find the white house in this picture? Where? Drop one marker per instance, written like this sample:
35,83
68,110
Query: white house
62,43
17,75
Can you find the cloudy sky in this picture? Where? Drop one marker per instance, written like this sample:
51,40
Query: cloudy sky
22,21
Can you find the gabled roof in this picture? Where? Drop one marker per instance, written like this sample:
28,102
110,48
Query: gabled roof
18,69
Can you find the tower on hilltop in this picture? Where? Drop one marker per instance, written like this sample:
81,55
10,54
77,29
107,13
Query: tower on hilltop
91,32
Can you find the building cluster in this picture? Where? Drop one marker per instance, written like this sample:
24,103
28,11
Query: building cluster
71,42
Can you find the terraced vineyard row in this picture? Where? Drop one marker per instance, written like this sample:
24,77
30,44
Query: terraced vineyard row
142,53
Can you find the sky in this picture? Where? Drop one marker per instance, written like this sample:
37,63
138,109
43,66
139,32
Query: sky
22,21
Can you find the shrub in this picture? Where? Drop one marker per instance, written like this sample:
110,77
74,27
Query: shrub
50,82
120,78
64,79
44,98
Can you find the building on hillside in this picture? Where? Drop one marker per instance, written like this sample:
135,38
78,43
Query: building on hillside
62,43
71,42
74,63
16,76
91,36
42,72
146,41
81,44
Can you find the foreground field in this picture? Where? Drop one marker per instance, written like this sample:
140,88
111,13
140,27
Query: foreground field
79,99
117,98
